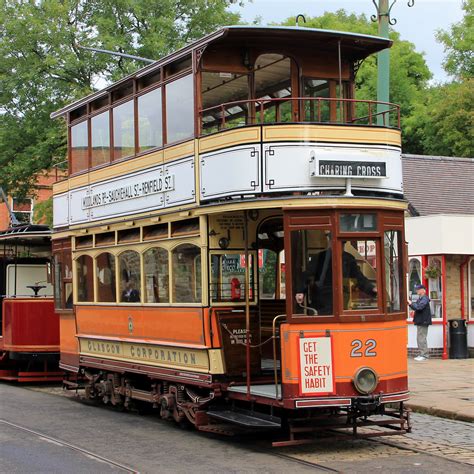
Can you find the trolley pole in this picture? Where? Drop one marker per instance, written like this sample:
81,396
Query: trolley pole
384,20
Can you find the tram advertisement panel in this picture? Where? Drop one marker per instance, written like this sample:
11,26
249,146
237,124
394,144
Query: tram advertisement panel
316,366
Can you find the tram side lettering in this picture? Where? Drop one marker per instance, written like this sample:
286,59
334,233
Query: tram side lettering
358,169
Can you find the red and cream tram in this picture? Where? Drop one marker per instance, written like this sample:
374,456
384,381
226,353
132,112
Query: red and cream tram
234,218
29,341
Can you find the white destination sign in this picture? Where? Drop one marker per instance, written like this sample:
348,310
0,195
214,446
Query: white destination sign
133,190
316,366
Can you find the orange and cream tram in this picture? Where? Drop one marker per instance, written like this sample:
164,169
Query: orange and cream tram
234,219
29,338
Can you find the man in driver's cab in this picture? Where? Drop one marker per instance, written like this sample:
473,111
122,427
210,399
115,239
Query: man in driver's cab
316,281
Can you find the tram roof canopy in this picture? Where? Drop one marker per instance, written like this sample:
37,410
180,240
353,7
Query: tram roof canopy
354,46
26,232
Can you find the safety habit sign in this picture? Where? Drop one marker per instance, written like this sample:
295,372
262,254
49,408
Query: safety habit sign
316,366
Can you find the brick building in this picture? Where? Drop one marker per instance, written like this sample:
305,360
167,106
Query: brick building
24,209
440,235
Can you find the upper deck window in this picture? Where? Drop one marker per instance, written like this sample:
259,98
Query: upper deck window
150,128
100,138
180,109
124,130
178,66
79,147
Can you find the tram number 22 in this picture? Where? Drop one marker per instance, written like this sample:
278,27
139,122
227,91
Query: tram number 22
359,349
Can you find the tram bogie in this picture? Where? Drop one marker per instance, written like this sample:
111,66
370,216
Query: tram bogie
224,273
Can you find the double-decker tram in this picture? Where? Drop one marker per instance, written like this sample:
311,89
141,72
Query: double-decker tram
29,338
234,218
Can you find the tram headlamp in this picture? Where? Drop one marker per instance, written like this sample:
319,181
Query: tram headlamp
365,380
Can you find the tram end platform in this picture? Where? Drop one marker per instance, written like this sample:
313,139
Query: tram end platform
443,388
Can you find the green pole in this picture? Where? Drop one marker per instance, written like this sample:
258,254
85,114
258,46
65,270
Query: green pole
383,63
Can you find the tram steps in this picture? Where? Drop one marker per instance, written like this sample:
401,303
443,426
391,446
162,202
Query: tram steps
246,418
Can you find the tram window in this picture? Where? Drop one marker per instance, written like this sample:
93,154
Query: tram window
312,263
100,139
180,109
317,110
358,222
187,226
268,274
128,235
359,274
58,293
393,270
79,147
219,88
273,81
156,231
84,272
124,130
105,268
228,277
130,276
186,274
156,265
150,120
107,238
84,241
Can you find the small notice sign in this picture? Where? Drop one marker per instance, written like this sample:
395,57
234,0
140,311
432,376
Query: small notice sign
316,366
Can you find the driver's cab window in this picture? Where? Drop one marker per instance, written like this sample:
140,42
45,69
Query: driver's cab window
312,263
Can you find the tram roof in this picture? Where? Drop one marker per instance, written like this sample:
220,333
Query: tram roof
26,232
353,45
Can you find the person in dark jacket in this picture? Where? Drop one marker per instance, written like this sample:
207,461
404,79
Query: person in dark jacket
422,320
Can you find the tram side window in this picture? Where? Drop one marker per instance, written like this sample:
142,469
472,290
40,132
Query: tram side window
150,133
180,109
130,276
105,268
228,277
359,274
124,130
311,255
156,264
62,280
100,139
393,270
79,147
85,281
186,282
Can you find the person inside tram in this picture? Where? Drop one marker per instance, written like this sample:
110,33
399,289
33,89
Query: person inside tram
316,282
129,294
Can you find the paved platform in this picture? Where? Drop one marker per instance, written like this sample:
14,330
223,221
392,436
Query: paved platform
442,387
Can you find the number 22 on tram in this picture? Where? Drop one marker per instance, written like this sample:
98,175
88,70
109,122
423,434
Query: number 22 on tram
235,221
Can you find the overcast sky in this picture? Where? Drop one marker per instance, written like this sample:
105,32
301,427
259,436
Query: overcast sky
417,24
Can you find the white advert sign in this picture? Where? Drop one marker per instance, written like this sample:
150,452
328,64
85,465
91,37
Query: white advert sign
159,187
316,366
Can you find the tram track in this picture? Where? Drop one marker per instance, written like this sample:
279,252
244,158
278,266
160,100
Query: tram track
71,446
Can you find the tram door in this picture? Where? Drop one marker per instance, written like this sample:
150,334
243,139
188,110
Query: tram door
271,287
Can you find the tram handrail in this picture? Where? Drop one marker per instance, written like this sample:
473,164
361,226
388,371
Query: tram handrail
256,111
275,371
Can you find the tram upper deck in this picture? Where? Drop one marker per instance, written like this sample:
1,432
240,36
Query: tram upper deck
244,112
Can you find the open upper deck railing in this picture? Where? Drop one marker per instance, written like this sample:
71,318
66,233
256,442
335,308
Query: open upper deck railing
268,110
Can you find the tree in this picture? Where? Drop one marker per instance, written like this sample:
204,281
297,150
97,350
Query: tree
459,45
409,73
42,67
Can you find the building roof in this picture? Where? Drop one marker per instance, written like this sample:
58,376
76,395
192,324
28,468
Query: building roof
353,45
438,184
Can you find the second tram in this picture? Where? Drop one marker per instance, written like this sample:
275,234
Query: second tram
234,220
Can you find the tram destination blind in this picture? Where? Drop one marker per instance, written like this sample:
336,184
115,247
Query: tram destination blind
349,169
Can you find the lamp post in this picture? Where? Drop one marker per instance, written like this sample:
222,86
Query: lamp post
383,9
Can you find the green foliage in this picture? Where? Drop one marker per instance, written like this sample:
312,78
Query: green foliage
409,73
459,45
443,124
42,67
43,213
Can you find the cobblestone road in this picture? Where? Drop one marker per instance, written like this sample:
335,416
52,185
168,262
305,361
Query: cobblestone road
436,445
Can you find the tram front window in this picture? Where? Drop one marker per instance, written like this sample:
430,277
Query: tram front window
359,274
312,272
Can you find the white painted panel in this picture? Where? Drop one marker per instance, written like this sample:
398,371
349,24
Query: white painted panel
185,191
435,336
290,166
234,171
76,213
61,210
27,275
